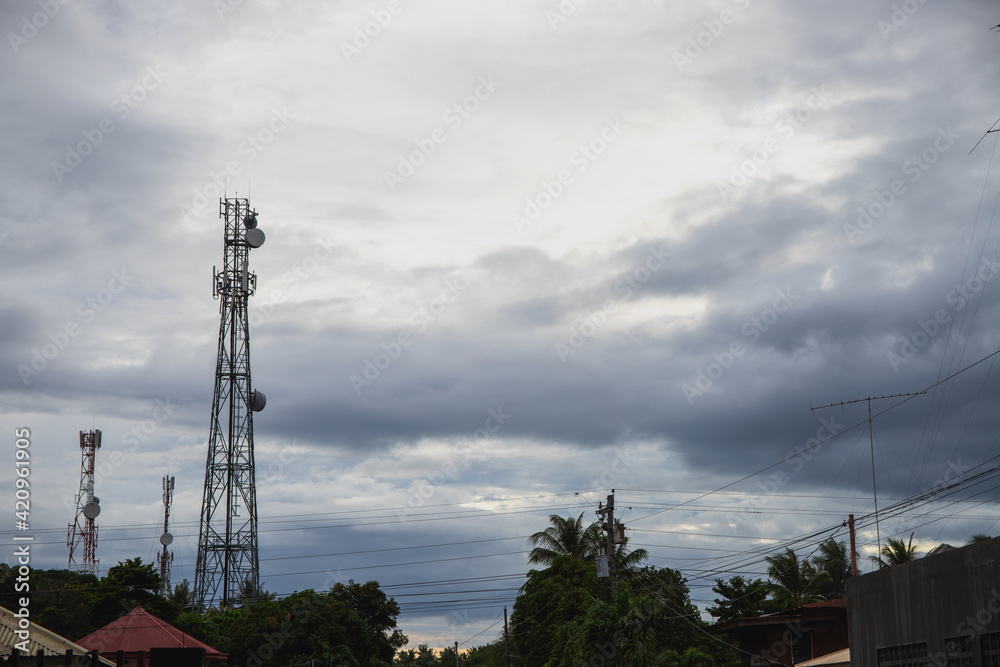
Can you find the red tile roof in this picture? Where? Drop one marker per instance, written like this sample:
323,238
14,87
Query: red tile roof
139,630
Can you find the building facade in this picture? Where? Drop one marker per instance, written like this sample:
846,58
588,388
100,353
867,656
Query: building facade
941,610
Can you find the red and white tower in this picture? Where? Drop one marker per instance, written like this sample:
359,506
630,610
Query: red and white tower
81,536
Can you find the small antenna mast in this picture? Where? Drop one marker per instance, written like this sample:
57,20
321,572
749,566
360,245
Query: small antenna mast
871,444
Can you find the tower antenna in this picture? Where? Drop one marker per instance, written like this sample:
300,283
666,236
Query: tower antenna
81,535
871,443
166,558
227,571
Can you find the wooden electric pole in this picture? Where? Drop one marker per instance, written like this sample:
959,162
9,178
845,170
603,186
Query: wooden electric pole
607,515
506,644
854,548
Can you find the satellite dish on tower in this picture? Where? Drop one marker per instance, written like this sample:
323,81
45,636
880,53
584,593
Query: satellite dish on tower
255,237
92,509
257,400
250,221
166,539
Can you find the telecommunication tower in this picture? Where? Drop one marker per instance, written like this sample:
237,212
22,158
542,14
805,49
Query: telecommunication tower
228,569
165,558
81,535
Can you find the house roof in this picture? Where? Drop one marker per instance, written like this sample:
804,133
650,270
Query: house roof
40,638
139,630
814,611
835,659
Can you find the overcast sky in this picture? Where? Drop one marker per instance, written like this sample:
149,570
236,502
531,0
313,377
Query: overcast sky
518,254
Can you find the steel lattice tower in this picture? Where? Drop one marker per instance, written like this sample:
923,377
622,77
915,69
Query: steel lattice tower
165,558
227,571
81,535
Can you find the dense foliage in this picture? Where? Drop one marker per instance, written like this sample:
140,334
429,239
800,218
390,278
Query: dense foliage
352,624
565,616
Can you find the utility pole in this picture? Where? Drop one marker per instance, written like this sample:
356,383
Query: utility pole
854,548
456,654
607,515
871,443
506,643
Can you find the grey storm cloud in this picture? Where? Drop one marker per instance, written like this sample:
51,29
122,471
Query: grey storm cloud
792,218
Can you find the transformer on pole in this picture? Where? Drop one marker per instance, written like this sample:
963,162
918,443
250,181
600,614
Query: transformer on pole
165,558
81,535
227,570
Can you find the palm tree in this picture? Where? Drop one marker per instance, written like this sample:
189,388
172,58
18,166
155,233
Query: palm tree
794,582
624,560
182,596
569,537
250,594
833,560
566,537
894,552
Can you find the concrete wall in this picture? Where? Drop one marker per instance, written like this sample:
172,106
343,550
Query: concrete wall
954,594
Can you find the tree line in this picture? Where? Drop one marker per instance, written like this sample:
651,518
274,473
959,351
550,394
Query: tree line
352,624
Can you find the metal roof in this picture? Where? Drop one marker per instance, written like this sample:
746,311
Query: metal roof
40,638
139,630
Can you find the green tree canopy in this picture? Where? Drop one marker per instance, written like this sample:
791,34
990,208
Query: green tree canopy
834,560
549,599
378,611
566,536
794,582
894,552
565,616
740,598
